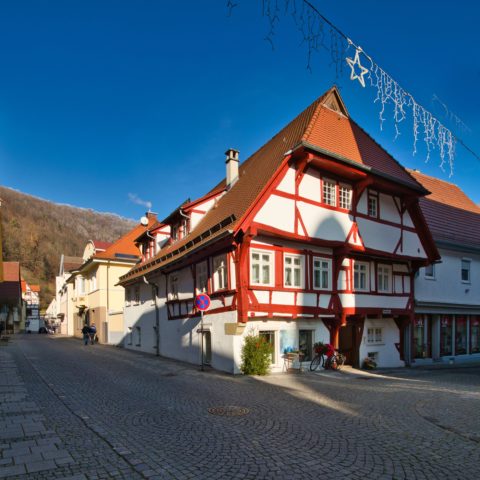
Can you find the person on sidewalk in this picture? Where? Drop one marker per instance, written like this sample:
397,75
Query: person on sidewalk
86,334
93,333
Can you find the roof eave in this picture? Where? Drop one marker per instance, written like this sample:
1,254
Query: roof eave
359,166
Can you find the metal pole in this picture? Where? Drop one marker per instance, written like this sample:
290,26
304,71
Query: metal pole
201,335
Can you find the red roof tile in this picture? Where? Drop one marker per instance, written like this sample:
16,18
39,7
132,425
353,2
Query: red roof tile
450,214
99,245
125,245
11,272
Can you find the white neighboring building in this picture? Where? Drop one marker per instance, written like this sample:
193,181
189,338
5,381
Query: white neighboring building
316,237
447,294
64,294
31,297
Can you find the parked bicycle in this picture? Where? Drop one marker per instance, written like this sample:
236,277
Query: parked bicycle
327,357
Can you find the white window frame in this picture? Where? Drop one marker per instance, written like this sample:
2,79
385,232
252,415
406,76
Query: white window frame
374,199
367,276
375,335
384,271
468,262
345,196
220,273
321,270
201,276
261,262
93,280
426,274
293,267
329,192
80,286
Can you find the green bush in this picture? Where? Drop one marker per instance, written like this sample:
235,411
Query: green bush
256,355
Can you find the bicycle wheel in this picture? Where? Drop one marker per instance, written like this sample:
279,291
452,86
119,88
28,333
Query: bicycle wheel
315,362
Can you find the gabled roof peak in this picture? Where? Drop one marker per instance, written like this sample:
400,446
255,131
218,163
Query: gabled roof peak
333,100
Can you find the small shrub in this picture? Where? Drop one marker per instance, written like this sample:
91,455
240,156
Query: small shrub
256,355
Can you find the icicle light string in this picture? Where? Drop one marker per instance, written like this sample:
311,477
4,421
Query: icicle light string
314,27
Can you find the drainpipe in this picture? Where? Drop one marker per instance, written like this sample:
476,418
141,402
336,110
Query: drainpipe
107,317
157,315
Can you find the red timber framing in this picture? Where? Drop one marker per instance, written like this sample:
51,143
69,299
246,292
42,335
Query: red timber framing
334,316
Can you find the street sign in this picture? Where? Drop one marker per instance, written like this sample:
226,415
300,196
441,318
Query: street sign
202,301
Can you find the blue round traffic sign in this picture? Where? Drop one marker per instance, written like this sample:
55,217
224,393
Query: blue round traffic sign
202,301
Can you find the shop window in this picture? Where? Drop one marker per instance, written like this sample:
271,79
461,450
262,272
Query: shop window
322,273
305,344
360,276
446,336
261,267
201,277
220,272
421,347
293,271
474,334
269,337
460,335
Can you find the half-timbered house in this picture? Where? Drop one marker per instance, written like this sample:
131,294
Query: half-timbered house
316,237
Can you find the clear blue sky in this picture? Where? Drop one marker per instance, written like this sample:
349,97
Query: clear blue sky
102,99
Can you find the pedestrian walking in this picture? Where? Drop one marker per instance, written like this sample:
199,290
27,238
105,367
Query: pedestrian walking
86,334
93,333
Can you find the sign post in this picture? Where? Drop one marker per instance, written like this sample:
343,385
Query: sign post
202,302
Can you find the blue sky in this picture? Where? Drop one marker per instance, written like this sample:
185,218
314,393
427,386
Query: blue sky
102,99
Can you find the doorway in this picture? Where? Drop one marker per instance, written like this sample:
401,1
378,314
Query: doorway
347,344
207,348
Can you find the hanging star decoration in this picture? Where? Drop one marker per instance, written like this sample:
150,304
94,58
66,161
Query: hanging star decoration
356,63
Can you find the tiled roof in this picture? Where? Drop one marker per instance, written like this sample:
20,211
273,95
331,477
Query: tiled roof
317,125
451,216
126,245
35,288
99,245
11,271
71,263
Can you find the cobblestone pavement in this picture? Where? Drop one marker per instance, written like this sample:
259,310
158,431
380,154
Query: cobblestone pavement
93,412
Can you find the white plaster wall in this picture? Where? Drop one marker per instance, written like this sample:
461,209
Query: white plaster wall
447,287
407,220
278,212
324,223
288,182
362,206
320,334
310,185
412,245
388,355
388,210
349,300
377,235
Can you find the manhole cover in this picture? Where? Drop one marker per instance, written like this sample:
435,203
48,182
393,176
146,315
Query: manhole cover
229,411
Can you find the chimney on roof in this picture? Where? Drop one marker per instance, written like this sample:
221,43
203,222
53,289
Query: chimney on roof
232,167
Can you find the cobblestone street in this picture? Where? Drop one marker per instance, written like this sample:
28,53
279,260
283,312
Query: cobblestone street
90,412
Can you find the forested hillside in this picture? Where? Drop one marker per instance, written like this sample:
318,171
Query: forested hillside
36,232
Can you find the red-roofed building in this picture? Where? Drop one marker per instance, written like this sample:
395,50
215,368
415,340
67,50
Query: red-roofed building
316,237
94,294
12,308
447,293
31,297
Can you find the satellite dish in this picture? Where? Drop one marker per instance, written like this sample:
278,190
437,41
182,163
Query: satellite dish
144,221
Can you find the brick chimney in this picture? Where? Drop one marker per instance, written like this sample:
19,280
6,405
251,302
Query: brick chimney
232,167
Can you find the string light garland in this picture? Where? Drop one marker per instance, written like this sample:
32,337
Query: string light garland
319,33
